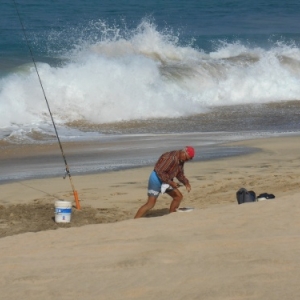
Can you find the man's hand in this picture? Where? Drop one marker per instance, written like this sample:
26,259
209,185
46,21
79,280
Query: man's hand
188,187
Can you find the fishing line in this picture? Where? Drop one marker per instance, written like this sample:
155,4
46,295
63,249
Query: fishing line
67,172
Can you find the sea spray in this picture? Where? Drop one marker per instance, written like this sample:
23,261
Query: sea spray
143,73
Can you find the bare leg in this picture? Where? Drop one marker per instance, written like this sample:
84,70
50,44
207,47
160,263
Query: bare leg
177,197
146,207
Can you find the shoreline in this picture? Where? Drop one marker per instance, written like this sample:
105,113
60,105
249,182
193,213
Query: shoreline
115,153
262,152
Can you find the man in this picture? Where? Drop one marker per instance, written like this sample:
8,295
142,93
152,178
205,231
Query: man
168,166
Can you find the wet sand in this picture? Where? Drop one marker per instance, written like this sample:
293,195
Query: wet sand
108,153
220,250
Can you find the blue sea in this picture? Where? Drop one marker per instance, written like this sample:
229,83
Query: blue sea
117,68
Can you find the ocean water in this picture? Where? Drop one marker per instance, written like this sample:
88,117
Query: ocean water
115,68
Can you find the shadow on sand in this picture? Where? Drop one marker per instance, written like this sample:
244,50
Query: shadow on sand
157,212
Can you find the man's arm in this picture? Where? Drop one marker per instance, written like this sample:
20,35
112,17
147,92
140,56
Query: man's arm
180,176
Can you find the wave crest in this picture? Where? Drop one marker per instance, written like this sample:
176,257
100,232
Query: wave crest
113,74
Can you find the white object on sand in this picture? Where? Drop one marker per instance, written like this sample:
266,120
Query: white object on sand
184,209
63,210
261,199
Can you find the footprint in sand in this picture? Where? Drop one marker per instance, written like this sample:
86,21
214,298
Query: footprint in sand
118,193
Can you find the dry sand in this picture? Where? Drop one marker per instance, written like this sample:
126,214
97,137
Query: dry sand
220,250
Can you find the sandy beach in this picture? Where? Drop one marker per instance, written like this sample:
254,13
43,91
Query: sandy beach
220,250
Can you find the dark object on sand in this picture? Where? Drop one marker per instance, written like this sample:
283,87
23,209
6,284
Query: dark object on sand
244,196
265,196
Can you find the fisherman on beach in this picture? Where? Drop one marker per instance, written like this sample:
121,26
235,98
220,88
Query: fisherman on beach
169,166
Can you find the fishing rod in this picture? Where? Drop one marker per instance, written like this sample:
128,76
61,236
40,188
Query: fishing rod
67,170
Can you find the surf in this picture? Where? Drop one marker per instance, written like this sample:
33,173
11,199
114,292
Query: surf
116,75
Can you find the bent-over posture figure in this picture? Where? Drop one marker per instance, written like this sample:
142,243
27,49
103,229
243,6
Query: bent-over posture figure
169,166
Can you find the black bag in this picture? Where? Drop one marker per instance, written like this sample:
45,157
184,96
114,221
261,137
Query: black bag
244,196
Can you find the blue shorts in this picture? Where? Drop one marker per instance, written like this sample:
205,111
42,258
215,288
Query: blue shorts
154,185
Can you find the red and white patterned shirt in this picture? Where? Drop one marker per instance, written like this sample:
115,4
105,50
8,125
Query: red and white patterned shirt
169,166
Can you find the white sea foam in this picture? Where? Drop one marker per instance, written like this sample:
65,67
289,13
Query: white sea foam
147,74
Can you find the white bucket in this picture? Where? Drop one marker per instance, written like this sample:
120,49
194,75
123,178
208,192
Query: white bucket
63,211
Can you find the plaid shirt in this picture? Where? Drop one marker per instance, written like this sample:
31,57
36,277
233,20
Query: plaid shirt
169,166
